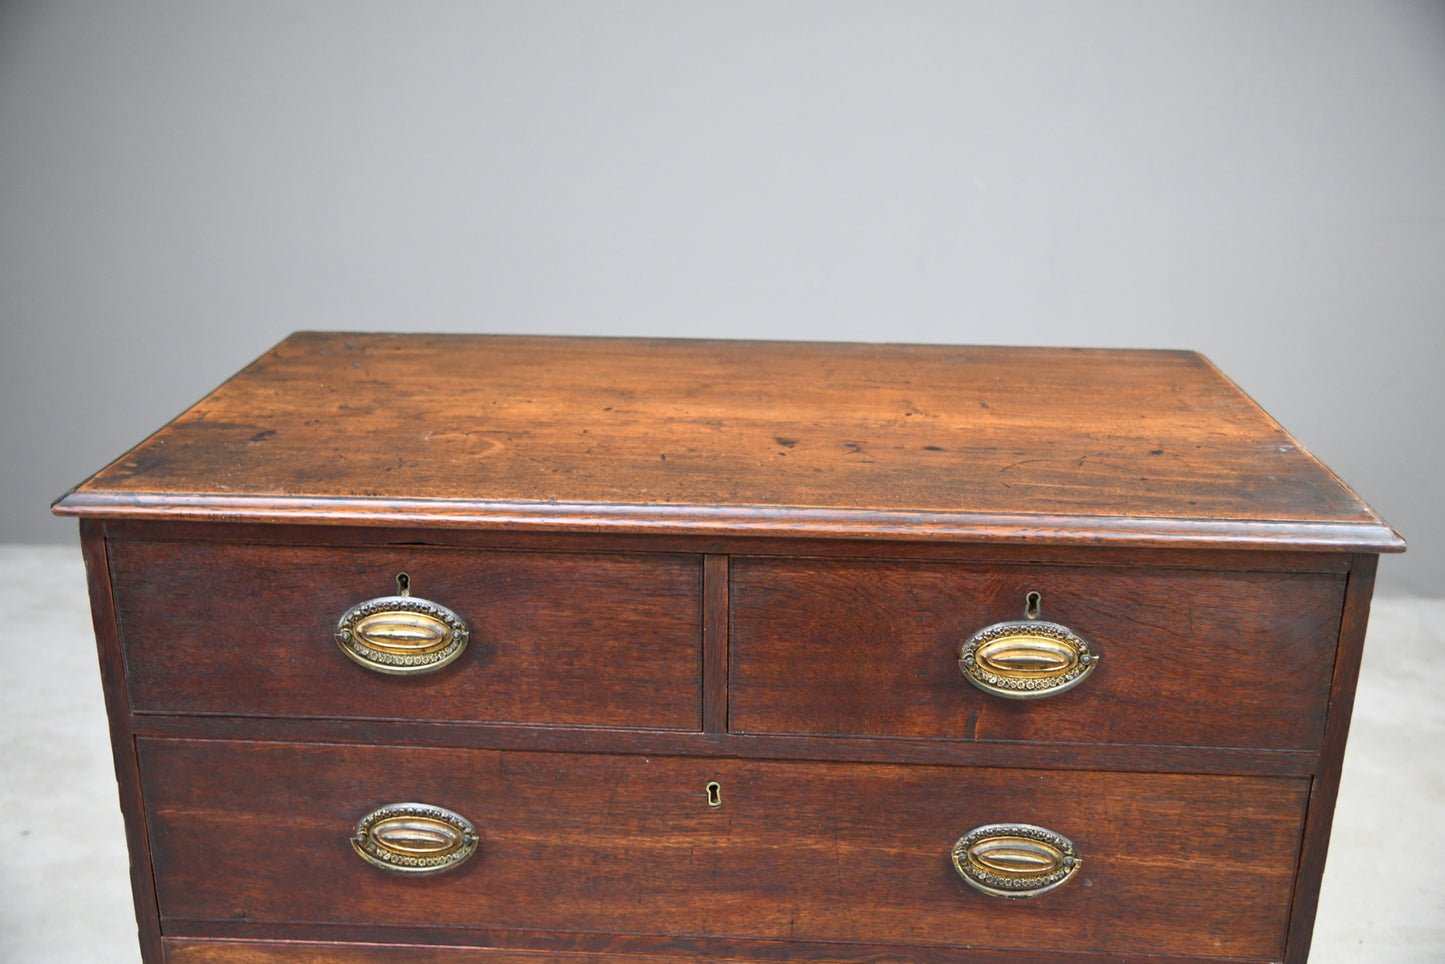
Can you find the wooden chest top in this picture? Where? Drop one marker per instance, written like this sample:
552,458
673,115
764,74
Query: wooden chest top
672,436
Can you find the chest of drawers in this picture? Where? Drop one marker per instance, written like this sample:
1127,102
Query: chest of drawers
467,649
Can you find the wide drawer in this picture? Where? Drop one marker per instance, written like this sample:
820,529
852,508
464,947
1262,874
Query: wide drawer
793,851
467,948
1184,657
554,638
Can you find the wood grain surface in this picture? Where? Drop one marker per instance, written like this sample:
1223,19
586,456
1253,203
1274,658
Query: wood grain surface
749,563
630,950
122,738
1187,658
1147,447
809,852
556,638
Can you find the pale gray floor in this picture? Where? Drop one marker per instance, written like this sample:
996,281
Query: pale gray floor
64,894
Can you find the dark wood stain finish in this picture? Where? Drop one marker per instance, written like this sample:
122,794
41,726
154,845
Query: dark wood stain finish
743,563
565,638
870,648
1327,780
118,712
909,441
633,950
801,851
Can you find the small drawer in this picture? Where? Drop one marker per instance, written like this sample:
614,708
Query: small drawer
1175,657
779,851
550,638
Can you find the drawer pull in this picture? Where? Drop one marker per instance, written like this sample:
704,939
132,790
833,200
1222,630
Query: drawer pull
414,838
401,634
1014,859
1028,658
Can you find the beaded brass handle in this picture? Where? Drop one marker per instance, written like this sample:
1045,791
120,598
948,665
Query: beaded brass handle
1027,658
402,634
1015,859
414,838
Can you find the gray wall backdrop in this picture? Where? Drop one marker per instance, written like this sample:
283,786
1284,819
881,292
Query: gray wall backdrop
183,183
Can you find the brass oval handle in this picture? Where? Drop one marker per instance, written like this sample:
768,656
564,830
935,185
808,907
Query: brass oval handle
1026,659
1015,860
402,634
414,838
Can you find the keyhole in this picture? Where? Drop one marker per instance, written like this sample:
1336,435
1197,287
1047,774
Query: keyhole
403,584
1033,603
714,794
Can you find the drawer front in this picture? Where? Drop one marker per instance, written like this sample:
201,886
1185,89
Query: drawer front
793,851
182,951
290,951
1185,658
555,638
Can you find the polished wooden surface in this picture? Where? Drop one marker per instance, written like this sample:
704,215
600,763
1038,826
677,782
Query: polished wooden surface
1147,447
122,736
1187,658
495,948
1326,787
796,851
583,639
686,562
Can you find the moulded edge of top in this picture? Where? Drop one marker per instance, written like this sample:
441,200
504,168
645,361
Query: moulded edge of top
742,520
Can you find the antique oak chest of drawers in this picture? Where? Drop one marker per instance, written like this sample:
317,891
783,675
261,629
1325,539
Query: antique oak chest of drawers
464,649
